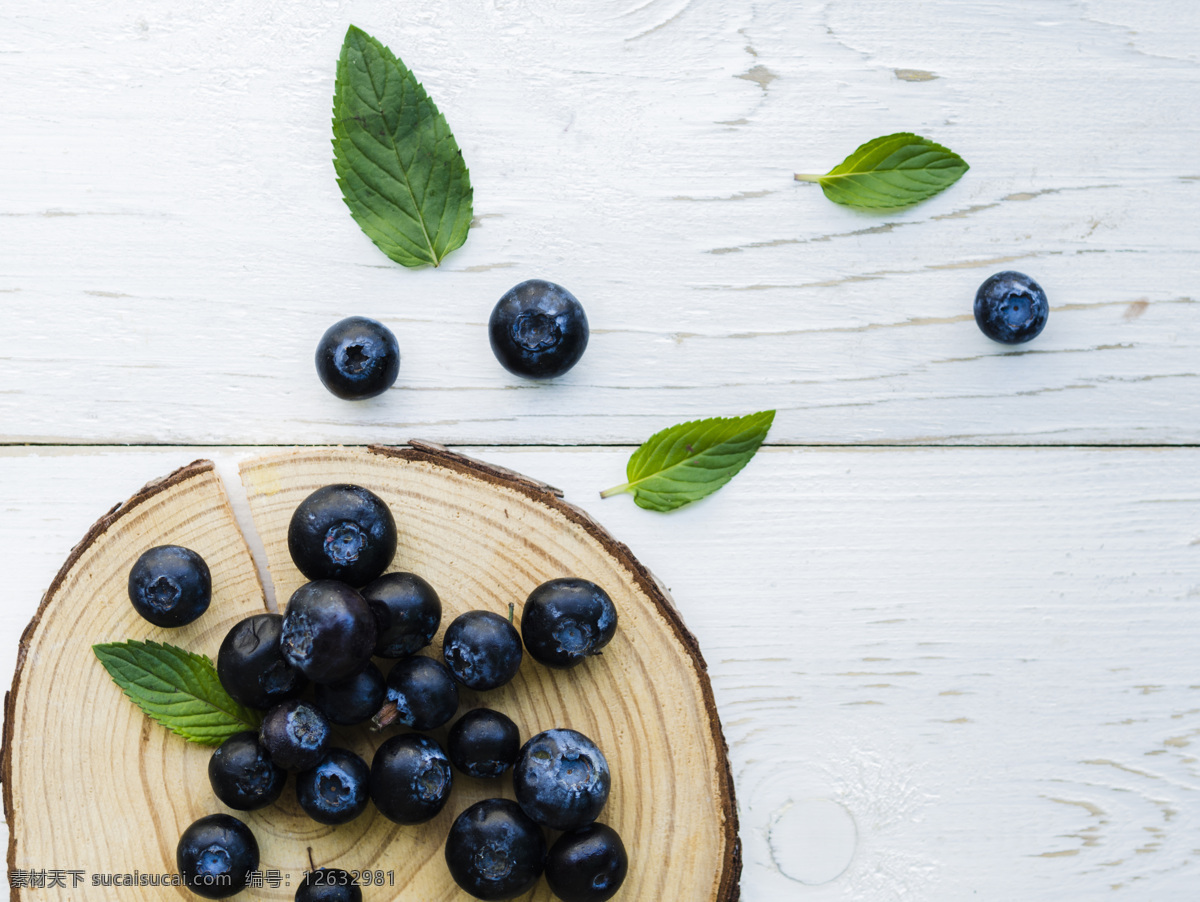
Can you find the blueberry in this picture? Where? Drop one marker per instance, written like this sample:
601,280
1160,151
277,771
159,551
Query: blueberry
354,699
170,585
251,665
342,532
358,358
538,330
561,779
215,856
295,734
494,851
328,885
407,613
243,775
336,790
565,621
420,694
1010,307
587,865
483,743
410,778
482,650
328,631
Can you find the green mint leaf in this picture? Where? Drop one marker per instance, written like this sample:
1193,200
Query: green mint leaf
889,172
686,462
399,167
176,687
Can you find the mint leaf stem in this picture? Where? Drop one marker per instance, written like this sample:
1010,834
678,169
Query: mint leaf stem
615,490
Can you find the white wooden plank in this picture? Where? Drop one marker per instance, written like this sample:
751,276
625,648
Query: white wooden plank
983,656
175,243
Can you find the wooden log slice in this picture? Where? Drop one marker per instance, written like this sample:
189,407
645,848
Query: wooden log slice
484,538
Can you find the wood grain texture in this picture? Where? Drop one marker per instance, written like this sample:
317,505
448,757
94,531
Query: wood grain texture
484,539
174,230
984,656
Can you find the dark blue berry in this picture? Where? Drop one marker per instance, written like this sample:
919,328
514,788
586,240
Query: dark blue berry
295,734
342,532
483,743
410,778
494,851
170,585
328,631
561,779
420,694
1010,307
337,789
587,865
215,856
329,885
407,613
251,665
538,330
566,621
242,774
482,650
354,699
358,358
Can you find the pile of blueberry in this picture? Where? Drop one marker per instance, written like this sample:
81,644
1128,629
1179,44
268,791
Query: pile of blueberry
311,670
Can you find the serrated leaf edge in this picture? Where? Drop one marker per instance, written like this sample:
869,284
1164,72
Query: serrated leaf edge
374,224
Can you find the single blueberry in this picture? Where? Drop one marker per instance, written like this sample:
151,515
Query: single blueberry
336,790
407,613
538,330
494,851
328,631
566,621
342,532
482,650
587,865
420,694
1011,308
410,778
561,779
170,585
295,734
483,743
354,699
358,358
251,665
242,774
328,885
216,855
